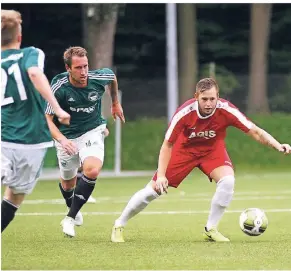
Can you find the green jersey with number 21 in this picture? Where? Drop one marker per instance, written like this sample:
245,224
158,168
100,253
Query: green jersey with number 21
23,121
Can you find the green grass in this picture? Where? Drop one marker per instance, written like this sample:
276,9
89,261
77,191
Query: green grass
154,241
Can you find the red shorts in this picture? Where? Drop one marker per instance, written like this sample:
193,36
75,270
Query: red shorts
182,163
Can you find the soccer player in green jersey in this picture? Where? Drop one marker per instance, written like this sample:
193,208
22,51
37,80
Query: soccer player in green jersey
25,134
79,91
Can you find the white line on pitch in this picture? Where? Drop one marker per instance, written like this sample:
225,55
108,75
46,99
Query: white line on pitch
153,212
160,200
163,270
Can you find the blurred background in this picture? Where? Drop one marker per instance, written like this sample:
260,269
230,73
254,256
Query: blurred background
246,47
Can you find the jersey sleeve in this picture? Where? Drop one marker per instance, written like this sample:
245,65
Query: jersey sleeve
35,58
55,84
176,126
104,76
237,118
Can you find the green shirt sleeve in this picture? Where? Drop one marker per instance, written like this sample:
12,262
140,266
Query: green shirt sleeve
104,76
58,94
35,58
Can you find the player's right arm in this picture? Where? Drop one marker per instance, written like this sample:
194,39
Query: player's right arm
175,128
164,159
69,146
34,67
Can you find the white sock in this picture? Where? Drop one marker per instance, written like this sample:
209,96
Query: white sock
136,204
220,201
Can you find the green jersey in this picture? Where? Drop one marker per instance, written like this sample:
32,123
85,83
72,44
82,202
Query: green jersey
83,104
23,121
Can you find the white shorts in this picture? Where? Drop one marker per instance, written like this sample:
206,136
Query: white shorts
88,144
21,168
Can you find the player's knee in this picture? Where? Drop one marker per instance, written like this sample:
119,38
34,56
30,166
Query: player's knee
92,167
225,190
92,172
227,183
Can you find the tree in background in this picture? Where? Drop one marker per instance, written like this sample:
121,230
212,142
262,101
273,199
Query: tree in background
259,41
188,59
99,26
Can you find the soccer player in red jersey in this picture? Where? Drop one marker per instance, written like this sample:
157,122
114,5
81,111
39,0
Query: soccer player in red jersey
195,138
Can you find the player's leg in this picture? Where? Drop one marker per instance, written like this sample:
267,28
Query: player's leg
9,206
67,187
221,171
180,165
224,178
20,171
91,152
135,205
91,199
86,184
68,166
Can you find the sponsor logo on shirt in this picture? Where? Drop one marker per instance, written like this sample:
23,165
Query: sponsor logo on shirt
83,109
205,134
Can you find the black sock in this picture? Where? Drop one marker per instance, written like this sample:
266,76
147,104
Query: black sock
68,195
83,191
7,213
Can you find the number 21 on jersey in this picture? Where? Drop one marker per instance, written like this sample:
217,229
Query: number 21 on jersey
15,71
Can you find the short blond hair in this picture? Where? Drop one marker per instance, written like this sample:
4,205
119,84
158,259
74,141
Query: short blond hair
10,25
206,84
73,51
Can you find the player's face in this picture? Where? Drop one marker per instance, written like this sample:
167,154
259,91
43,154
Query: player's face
207,101
79,70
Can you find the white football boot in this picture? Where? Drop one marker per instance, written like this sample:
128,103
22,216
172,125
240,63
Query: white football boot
68,225
91,200
79,219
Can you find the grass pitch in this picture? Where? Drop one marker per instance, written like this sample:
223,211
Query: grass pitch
165,236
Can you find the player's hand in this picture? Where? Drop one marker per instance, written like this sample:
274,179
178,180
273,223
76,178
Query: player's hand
162,185
285,148
69,146
63,116
106,132
116,111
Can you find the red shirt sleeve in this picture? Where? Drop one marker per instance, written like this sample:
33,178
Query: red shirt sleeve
179,122
237,118
175,128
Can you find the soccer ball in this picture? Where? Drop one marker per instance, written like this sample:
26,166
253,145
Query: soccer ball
253,221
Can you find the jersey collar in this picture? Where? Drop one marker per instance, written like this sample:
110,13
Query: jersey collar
204,117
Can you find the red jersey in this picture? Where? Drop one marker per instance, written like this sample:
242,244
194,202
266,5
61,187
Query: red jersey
200,135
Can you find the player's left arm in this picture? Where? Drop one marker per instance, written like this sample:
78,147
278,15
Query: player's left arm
34,67
265,138
240,121
116,108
